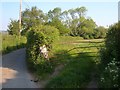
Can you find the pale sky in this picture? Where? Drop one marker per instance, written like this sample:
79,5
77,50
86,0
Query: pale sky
103,12
119,11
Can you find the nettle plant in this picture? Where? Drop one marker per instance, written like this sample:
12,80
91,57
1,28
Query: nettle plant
36,37
110,76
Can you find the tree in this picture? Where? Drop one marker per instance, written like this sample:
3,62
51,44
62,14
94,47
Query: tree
58,24
72,13
65,18
73,26
13,27
55,13
100,32
84,28
81,11
32,17
77,17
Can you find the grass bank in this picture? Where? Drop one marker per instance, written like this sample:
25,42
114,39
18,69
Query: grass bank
11,42
79,58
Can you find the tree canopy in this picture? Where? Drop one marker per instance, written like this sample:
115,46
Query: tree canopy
69,22
13,27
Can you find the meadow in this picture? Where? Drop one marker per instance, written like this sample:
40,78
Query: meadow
79,59
12,42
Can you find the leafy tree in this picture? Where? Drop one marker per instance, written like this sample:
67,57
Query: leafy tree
85,28
100,32
55,13
58,24
79,24
77,12
72,12
81,11
13,27
32,17
65,18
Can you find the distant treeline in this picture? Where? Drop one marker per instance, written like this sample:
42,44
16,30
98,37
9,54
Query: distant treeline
72,22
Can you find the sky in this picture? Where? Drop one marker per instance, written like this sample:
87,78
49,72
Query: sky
119,11
103,13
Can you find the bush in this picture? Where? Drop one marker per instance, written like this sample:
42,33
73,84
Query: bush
86,37
110,58
36,37
109,78
100,32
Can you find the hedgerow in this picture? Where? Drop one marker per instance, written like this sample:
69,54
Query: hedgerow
110,59
36,37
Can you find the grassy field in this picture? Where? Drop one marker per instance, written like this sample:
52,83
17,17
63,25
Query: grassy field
79,59
10,43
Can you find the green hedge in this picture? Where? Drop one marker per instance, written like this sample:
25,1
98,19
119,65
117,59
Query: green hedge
110,59
36,37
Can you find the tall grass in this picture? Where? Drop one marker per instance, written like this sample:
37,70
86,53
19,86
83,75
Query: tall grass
11,42
79,58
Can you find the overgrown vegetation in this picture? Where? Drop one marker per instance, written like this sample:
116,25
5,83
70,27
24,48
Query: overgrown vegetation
63,33
110,59
12,42
75,54
36,37
79,58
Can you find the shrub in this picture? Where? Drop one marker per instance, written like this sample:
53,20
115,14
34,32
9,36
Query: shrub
86,37
36,37
111,45
109,78
110,58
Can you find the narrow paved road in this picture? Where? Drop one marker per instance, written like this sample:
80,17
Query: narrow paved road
14,71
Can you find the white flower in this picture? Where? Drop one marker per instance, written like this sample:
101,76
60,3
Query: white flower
106,68
115,85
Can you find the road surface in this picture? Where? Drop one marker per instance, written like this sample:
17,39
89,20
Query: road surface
14,71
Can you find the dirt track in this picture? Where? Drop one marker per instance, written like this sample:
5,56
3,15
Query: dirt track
14,71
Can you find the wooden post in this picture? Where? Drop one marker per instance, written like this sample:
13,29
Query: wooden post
20,15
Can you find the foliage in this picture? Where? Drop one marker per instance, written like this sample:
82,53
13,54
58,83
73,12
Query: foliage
110,56
110,76
74,74
13,27
12,42
111,44
86,28
58,24
32,17
36,37
78,64
100,32
71,22
55,13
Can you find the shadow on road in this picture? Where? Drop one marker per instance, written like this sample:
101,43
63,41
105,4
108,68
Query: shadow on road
14,71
